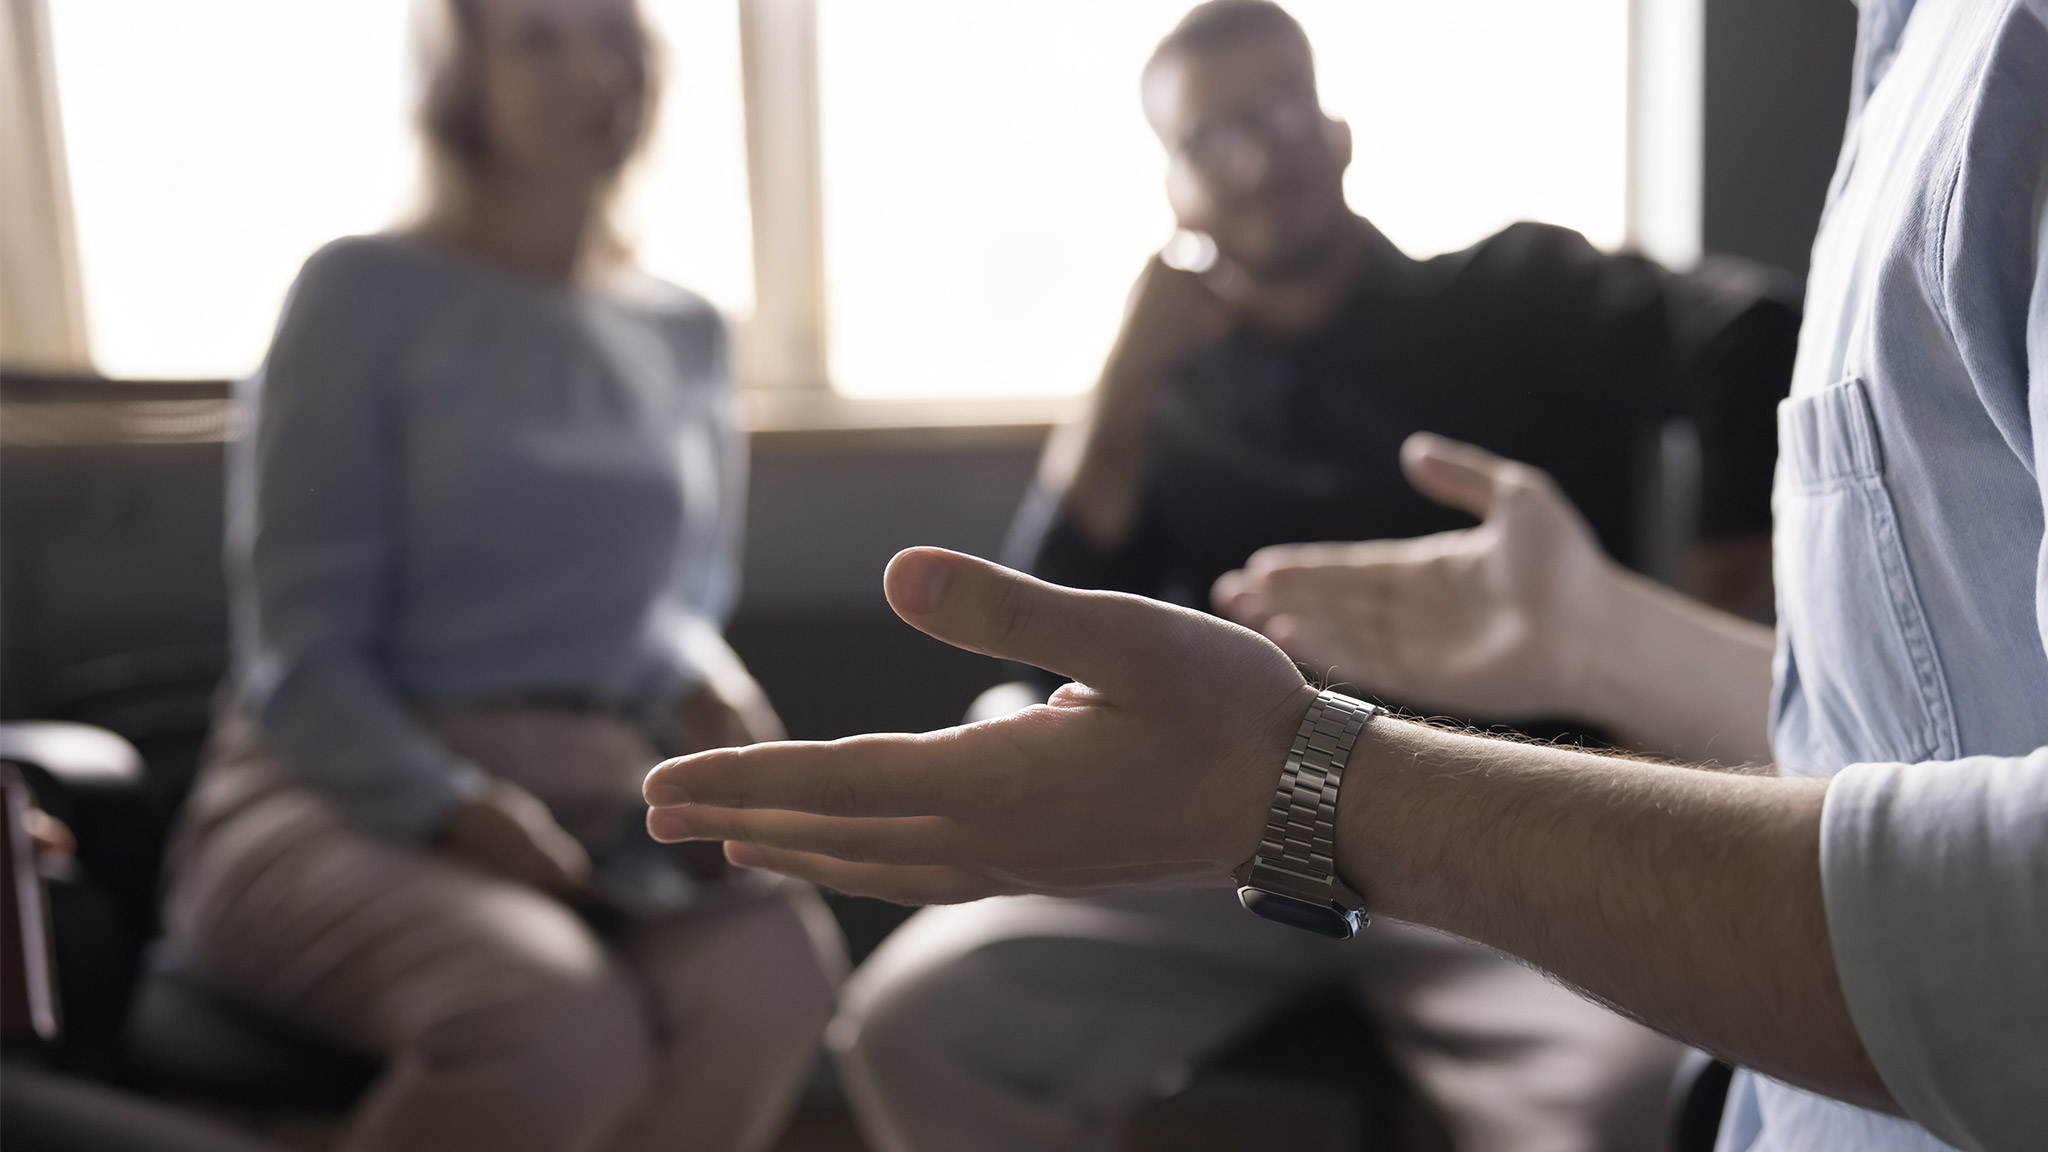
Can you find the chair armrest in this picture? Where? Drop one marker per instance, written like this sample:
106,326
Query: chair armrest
77,757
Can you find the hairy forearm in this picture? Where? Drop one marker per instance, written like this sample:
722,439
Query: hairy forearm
1689,900
1711,705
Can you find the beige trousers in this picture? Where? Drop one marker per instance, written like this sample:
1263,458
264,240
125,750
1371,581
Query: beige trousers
1029,1023
508,1023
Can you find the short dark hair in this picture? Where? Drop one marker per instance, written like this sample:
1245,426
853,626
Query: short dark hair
1223,23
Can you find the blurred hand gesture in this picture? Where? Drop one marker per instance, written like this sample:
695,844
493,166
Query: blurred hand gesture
1489,621
1156,767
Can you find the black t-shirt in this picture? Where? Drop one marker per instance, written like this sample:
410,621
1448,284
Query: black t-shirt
1532,344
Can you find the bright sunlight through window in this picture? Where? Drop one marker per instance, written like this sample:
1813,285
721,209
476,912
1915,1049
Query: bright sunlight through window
989,184
214,144
991,187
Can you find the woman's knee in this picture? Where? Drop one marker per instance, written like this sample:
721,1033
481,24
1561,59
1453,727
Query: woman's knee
573,1041
775,966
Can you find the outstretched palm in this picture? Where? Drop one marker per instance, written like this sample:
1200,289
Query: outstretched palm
1155,767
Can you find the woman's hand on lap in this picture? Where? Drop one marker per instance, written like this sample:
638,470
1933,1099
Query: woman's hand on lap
507,830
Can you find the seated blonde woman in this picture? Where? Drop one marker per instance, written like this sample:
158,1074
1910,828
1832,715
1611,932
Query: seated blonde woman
482,538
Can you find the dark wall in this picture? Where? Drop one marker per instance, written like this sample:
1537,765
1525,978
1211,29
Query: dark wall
823,519
825,513
1777,79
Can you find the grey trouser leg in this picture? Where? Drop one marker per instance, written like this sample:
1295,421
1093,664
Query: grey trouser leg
1030,1023
508,1023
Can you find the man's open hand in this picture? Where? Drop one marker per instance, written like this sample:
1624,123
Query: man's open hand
1491,621
1155,767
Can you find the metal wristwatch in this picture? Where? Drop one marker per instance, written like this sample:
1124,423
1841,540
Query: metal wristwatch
1293,877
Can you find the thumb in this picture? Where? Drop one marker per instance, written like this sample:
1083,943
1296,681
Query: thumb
1454,473
1097,638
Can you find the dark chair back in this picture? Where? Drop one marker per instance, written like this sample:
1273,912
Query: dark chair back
113,608
113,612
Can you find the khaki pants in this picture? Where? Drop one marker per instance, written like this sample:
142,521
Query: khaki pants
1027,1023
508,1023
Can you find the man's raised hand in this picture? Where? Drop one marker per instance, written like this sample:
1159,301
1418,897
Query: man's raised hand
1494,621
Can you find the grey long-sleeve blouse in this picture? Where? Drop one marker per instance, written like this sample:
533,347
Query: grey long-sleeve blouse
463,485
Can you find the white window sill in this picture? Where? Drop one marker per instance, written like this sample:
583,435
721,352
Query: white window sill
819,420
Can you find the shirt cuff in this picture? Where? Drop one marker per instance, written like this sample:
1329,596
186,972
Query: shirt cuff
1935,878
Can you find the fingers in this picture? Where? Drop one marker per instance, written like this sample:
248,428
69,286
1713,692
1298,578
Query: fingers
882,775
888,840
1454,473
902,883
1240,597
1104,639
1355,657
1294,576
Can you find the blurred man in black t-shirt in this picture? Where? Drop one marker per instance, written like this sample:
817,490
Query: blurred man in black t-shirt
1263,401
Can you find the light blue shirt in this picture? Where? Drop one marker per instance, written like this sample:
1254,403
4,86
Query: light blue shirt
467,486
1913,584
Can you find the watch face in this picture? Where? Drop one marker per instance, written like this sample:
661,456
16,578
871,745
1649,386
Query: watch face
1322,919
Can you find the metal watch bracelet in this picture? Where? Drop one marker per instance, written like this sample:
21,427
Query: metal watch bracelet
1293,877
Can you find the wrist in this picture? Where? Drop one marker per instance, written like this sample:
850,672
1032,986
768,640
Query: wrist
1604,612
1371,843
1292,874
1711,705
1393,815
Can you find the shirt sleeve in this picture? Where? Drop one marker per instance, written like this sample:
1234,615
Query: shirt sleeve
311,549
1936,883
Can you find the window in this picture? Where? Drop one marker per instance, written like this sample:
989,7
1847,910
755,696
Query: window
991,186
952,198
214,144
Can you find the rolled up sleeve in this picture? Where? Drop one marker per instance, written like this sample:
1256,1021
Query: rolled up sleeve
1936,882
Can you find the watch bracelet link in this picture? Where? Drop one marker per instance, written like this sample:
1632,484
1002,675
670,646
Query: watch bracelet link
1297,855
